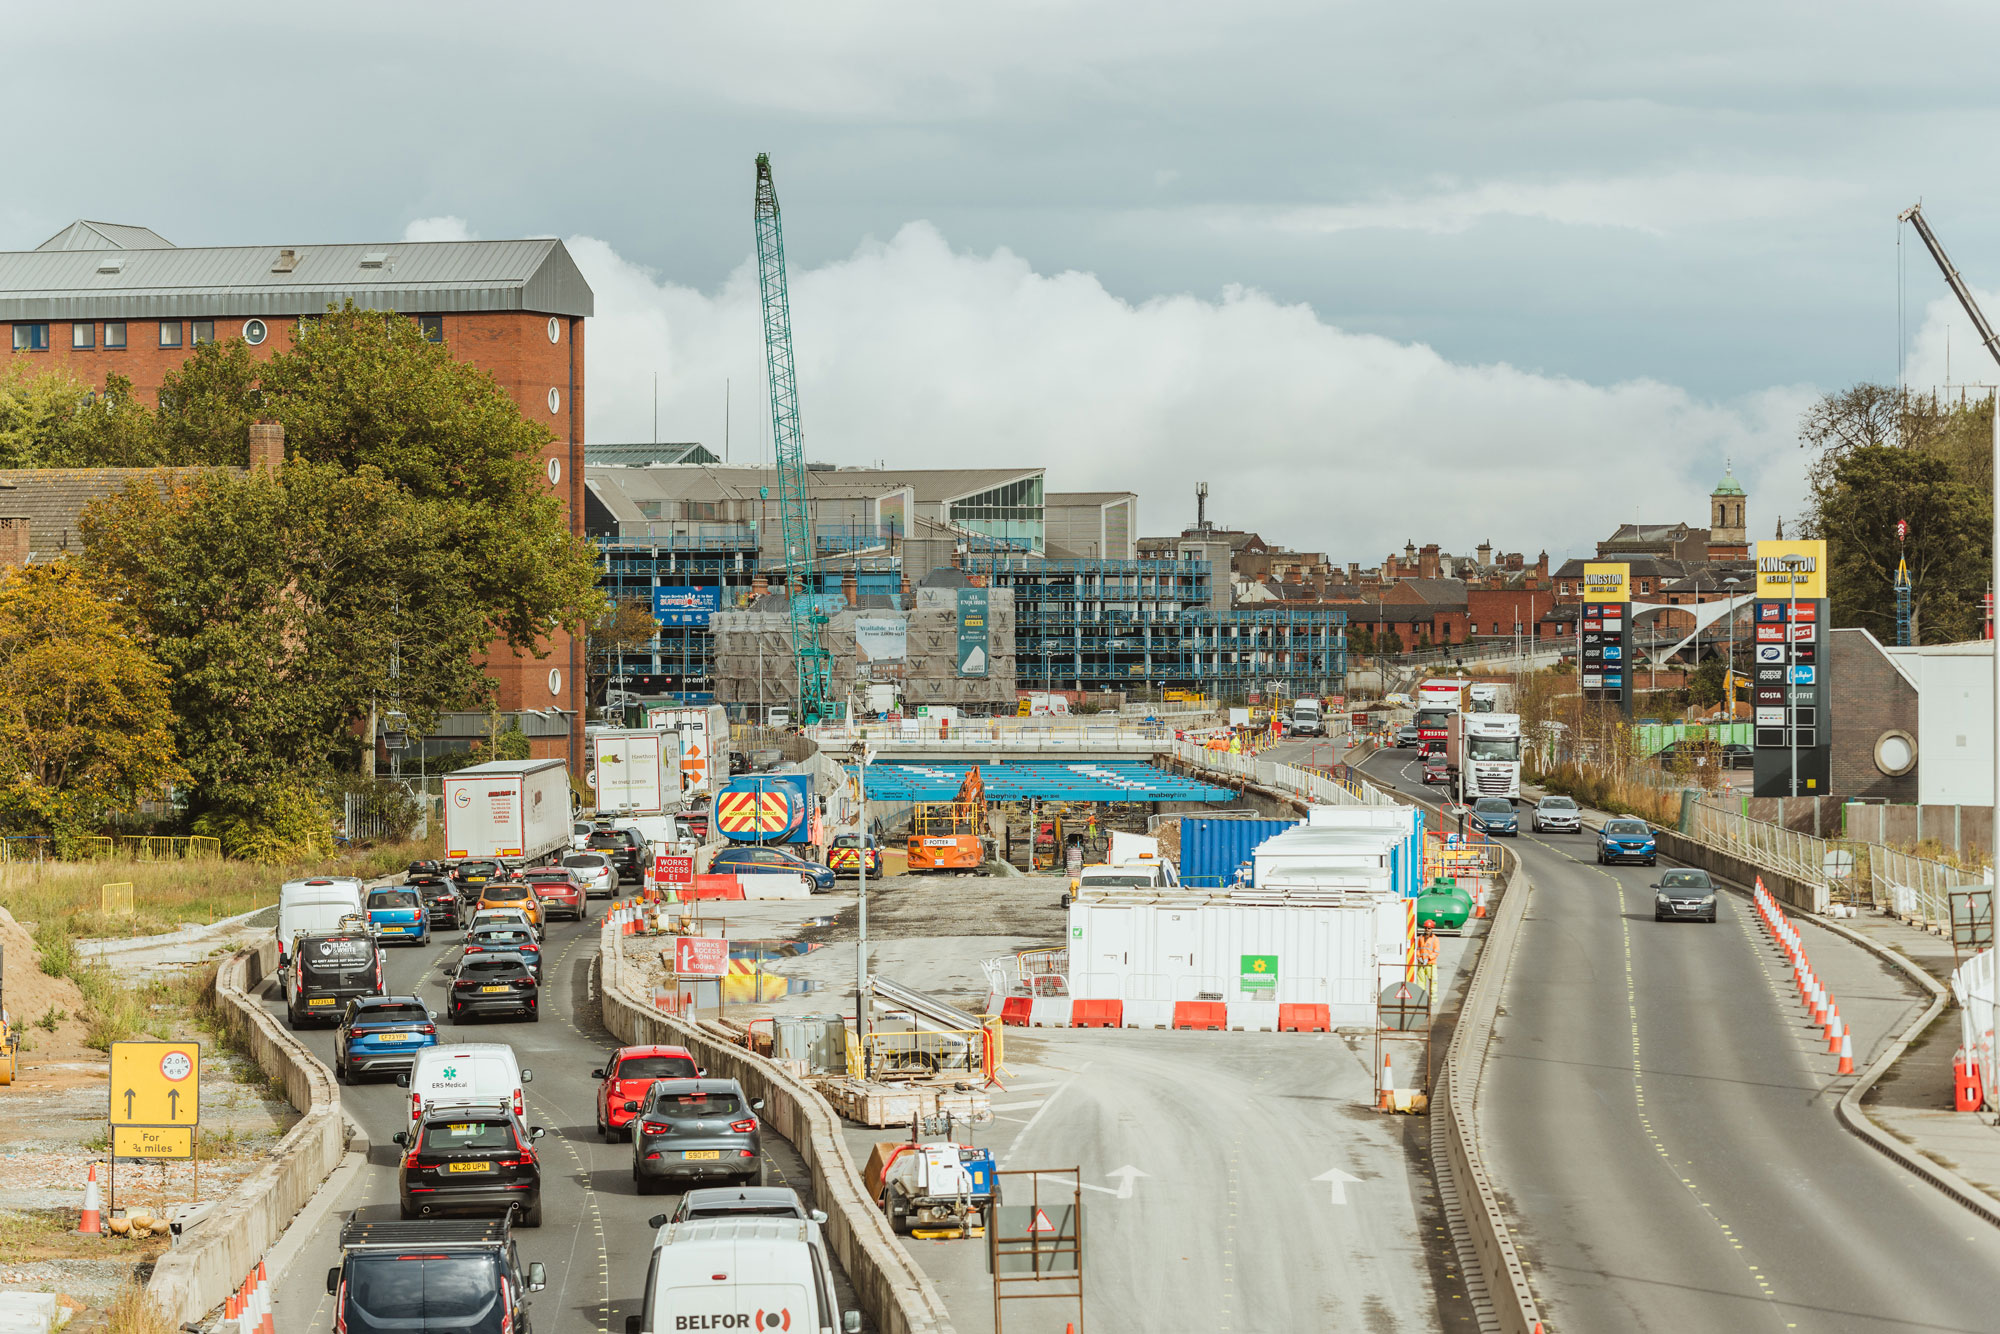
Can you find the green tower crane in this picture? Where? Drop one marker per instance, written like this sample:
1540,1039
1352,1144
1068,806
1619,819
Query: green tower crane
794,506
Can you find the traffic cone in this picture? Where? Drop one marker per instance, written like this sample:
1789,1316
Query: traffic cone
1833,1031
231,1313
1387,1101
93,1207
266,1324
1846,1052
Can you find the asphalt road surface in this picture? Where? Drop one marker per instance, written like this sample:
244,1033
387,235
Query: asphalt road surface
1660,1120
593,1240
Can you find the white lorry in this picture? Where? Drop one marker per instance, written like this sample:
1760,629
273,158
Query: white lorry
635,771
704,746
1308,718
1483,698
512,811
1484,753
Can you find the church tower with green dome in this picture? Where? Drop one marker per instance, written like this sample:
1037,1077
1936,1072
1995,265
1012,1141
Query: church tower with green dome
1728,529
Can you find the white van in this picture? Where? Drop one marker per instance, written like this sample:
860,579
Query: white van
466,1072
314,906
774,1273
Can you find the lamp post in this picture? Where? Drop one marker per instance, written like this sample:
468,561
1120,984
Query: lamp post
861,945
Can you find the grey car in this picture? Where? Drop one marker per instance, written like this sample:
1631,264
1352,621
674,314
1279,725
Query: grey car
693,1130
737,1202
1687,895
1557,815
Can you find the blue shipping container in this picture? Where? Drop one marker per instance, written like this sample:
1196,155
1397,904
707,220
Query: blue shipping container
1212,847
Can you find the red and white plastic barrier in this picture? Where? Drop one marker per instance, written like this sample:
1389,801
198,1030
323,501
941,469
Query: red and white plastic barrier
1201,1016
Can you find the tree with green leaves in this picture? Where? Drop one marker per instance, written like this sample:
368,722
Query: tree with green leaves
1950,530
84,725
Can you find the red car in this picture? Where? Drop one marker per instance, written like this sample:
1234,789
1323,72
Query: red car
1436,771
558,891
628,1075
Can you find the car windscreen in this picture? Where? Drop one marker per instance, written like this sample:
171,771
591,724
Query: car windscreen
1624,827
1495,748
694,1106
1493,806
504,893
491,968
1685,880
1557,804
477,868
425,1292
336,954
1119,881
657,1067
847,841
393,898
445,1136
584,861
391,1014
502,939
734,1209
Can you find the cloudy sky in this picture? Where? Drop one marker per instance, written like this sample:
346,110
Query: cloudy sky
1447,271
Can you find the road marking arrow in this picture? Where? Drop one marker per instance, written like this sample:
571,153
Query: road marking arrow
1124,1176
1340,1182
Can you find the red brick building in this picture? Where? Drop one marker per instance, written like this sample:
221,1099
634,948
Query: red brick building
104,298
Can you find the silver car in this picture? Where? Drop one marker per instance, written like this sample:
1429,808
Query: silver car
594,869
1557,815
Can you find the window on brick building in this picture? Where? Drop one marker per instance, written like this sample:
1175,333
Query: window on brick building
432,326
31,338
170,333
114,334
83,334
202,331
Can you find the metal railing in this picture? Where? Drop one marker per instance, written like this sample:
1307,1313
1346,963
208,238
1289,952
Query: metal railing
159,847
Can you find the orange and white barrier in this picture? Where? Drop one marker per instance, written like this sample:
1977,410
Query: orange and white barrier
249,1311
92,1220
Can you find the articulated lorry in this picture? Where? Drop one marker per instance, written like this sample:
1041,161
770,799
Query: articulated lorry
1438,701
1483,751
512,811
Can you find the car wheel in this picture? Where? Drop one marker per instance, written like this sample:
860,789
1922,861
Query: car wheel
407,1212
1652,861
899,1209
340,1071
457,1015
532,1215
1658,918
534,1016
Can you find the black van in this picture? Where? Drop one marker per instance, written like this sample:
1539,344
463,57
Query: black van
431,1275
327,971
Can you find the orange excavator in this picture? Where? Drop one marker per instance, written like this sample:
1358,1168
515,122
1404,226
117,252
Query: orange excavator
951,835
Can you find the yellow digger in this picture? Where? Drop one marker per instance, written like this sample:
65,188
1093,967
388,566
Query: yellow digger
950,835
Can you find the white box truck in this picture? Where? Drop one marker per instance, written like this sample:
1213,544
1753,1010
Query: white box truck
507,810
703,748
1308,718
635,771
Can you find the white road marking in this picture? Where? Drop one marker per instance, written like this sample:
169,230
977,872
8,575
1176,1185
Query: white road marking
1339,1182
1125,1176
1017,1106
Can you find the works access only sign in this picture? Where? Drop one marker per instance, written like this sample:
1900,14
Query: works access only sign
701,956
155,1083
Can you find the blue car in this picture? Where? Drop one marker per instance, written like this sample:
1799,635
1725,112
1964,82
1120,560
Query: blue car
381,1035
396,912
1626,841
1495,816
755,860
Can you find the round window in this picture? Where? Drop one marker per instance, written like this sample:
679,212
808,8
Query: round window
555,681
555,472
1895,753
254,332
555,400
555,329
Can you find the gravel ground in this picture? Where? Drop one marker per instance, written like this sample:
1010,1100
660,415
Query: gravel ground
1029,907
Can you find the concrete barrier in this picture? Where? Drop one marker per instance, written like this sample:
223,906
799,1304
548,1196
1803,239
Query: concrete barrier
895,1293
215,1253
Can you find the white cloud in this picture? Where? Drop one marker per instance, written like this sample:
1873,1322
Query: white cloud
1322,439
1944,353
439,229
1654,204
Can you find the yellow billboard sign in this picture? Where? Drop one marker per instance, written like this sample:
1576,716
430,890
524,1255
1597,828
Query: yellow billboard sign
1791,569
152,1141
155,1083
1607,582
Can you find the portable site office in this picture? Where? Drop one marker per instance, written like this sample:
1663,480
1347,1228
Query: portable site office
1252,949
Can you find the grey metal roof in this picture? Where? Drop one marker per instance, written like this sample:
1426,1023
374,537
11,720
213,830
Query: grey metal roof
193,282
643,454
85,235
694,481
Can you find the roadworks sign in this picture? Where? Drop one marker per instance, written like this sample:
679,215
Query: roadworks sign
155,1083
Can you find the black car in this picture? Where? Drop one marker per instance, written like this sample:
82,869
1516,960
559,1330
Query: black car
381,1033
694,1129
470,1159
440,899
468,878
462,1276
1687,895
623,847
494,984
1736,755
500,938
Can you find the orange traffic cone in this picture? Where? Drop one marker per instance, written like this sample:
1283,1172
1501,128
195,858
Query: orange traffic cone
1387,1101
1833,1031
265,1322
93,1207
1846,1052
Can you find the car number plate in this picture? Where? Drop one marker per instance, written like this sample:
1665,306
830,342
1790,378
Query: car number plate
320,1000
490,990
692,1155
392,1037
469,1167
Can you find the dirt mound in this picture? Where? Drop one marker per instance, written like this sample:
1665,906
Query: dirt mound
29,994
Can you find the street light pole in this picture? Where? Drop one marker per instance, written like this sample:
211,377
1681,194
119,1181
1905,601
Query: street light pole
861,945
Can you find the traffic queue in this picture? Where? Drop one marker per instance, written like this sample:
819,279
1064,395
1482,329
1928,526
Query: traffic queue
471,1168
